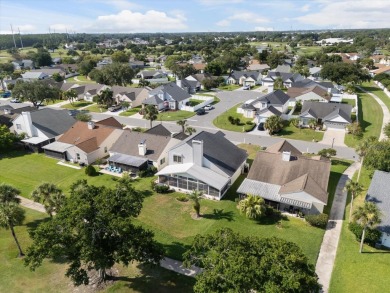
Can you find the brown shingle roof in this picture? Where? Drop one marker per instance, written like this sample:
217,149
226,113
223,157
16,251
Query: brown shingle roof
87,139
294,92
283,146
111,121
270,168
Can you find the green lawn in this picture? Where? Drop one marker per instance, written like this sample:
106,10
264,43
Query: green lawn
76,105
80,79
168,218
96,108
229,87
130,112
292,132
349,102
373,88
174,115
194,102
223,122
354,271
50,277
370,119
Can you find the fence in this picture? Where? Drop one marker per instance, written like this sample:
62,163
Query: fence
206,101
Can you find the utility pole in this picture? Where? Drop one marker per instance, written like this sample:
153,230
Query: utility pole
20,37
12,30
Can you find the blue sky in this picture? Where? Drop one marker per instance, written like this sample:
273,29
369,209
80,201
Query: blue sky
122,16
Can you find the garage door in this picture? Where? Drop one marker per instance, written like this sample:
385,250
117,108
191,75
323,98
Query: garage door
334,125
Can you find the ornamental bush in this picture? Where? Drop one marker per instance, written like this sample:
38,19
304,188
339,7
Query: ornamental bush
317,220
372,235
90,170
159,188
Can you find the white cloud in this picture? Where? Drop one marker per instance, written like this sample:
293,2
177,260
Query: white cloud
24,29
305,8
349,14
218,2
248,17
128,21
264,29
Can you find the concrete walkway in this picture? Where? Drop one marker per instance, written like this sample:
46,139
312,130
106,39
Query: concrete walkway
327,255
168,263
385,110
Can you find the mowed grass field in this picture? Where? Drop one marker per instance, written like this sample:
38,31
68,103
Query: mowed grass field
354,271
170,219
370,117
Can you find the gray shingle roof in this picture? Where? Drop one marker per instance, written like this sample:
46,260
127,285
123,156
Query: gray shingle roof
159,129
220,151
327,111
379,193
176,92
277,97
237,74
52,122
153,100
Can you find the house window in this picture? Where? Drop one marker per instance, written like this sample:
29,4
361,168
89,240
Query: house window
18,126
162,161
177,159
78,156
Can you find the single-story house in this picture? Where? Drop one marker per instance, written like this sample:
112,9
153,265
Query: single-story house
288,180
244,78
274,103
135,64
23,64
50,71
168,96
85,142
314,93
190,86
207,162
42,126
315,72
153,75
199,77
134,151
331,115
9,113
287,78
379,193
134,96
34,75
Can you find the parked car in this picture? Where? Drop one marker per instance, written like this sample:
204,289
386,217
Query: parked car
246,88
115,108
6,94
200,111
208,107
15,101
261,126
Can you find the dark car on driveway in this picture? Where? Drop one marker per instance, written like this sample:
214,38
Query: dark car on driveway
115,108
200,111
261,126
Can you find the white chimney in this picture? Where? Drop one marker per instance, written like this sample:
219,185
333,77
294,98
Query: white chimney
270,88
197,152
142,149
28,123
286,156
178,82
7,111
91,125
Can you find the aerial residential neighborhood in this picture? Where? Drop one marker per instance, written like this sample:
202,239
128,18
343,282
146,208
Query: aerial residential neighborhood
194,146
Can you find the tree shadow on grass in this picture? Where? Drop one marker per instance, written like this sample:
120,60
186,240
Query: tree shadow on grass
175,250
339,162
219,214
157,279
18,152
273,219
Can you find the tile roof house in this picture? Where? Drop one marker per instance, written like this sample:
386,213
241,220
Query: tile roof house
133,149
275,103
244,78
168,96
379,193
85,142
332,115
287,180
198,163
42,126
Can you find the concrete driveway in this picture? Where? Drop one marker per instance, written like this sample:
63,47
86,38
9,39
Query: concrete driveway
334,137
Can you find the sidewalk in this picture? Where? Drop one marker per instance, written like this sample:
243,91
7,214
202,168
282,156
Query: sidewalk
328,251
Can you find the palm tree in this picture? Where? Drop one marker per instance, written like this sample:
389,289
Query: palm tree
105,98
150,113
362,150
183,124
368,216
195,196
354,188
273,124
50,196
252,206
11,214
190,130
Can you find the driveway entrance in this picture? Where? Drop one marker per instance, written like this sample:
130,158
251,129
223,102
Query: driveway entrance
334,137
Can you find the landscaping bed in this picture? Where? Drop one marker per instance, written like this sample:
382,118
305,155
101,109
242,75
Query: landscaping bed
222,121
